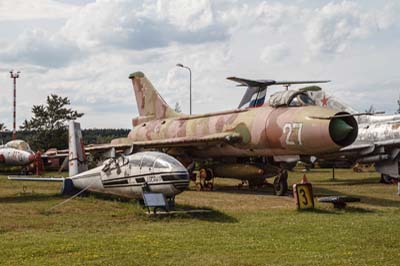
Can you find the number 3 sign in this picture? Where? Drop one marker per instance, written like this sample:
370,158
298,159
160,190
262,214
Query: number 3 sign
303,195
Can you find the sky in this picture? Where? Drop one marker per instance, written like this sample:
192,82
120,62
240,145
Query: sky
85,50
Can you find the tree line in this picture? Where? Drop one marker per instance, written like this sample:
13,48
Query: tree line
48,127
90,136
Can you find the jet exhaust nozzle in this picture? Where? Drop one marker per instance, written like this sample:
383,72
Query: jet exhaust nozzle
343,130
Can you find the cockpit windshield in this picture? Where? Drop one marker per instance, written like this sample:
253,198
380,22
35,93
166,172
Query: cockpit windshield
292,98
155,160
301,100
19,145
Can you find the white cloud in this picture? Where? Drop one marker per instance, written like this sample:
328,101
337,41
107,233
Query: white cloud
89,54
332,27
189,15
143,25
275,53
40,48
39,9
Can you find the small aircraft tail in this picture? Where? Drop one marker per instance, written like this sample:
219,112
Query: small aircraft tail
77,156
149,102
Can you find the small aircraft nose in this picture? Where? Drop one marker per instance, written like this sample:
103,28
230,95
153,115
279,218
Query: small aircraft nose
31,158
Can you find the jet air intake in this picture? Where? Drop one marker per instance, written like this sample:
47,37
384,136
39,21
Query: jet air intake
343,129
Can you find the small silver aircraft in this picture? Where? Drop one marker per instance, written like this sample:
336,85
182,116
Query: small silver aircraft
125,176
18,153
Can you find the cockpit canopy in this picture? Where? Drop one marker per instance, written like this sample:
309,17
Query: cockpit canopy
156,160
18,145
291,98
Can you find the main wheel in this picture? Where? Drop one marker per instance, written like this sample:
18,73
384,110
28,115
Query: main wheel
281,184
386,179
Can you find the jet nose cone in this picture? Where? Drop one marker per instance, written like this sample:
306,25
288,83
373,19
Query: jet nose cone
340,129
343,130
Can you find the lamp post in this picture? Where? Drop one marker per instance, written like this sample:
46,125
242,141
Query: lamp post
190,86
14,76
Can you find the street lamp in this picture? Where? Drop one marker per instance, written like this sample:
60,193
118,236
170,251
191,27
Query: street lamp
14,76
190,85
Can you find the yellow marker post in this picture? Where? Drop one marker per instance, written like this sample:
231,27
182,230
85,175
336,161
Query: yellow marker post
304,196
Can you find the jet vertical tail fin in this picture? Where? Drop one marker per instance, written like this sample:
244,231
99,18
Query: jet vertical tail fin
149,102
77,156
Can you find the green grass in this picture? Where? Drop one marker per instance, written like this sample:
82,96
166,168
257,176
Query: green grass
245,227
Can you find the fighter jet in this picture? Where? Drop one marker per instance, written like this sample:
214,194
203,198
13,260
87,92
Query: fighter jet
125,176
378,139
250,144
18,153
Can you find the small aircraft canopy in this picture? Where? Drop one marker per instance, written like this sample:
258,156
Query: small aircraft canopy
18,145
291,98
156,160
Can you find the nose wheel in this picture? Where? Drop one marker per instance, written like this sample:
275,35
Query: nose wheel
281,184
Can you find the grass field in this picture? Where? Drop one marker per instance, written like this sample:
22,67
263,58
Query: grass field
245,227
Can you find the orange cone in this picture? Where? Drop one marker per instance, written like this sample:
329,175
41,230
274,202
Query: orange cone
304,180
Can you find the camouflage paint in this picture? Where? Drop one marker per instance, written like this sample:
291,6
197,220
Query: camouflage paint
265,131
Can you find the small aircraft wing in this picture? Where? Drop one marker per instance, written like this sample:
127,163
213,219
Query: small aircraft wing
258,88
269,82
40,179
229,138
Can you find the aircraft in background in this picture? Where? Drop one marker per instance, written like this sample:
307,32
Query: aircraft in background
18,153
248,144
378,139
124,176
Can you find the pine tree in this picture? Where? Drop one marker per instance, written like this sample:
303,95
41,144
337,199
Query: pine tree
49,123
178,108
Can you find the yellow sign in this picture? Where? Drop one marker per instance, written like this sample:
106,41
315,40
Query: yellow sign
304,196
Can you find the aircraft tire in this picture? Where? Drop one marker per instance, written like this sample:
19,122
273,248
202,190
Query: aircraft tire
386,179
281,184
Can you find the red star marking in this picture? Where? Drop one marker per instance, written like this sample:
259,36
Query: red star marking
324,101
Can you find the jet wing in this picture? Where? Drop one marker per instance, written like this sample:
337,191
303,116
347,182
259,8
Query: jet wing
391,142
358,147
229,138
41,179
365,148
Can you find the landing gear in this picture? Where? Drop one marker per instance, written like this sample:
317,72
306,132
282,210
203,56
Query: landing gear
387,179
281,184
206,180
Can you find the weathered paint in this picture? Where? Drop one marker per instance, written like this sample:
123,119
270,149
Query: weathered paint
265,131
16,153
378,139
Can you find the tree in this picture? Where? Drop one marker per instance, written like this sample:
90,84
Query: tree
178,108
49,123
398,103
2,127
371,109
